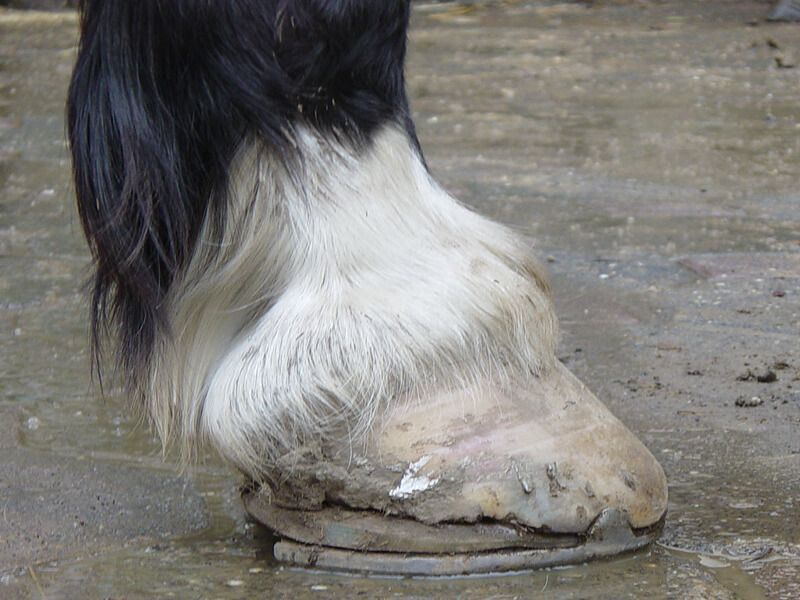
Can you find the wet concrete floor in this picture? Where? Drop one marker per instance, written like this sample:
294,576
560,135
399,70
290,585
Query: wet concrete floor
650,150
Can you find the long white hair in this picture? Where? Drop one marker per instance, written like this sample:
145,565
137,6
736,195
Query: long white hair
272,257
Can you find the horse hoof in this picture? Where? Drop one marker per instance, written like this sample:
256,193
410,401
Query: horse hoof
495,477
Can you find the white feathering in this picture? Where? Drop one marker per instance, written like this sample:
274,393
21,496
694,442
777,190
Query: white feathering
332,289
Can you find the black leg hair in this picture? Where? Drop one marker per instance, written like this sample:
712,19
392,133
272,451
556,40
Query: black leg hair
162,95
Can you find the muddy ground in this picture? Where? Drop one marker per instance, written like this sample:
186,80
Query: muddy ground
652,152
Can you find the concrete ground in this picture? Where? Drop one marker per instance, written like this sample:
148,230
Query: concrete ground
652,152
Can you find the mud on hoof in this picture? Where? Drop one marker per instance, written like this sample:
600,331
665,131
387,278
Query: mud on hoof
510,477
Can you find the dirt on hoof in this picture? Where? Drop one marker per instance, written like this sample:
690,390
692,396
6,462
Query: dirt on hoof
537,463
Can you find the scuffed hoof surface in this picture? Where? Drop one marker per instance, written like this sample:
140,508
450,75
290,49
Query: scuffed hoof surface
501,477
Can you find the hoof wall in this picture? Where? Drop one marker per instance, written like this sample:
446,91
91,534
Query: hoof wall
338,539
528,474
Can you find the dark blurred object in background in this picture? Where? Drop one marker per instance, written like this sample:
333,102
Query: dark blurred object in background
786,10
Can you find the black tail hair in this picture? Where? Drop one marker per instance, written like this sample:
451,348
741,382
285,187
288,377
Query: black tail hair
163,93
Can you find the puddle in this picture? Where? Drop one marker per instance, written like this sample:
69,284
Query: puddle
232,568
